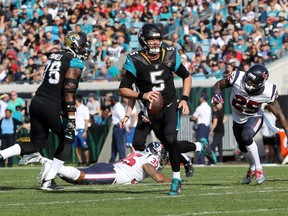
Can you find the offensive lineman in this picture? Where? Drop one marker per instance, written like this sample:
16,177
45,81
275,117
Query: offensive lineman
249,91
151,69
56,93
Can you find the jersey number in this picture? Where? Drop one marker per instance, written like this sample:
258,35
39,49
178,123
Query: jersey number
155,79
130,159
242,105
52,69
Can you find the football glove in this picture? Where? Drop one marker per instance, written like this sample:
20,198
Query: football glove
70,130
217,98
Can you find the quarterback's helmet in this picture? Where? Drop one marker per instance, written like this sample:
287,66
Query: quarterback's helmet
76,43
150,32
156,148
255,78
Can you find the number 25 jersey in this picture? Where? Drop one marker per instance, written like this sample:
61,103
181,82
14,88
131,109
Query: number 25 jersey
244,105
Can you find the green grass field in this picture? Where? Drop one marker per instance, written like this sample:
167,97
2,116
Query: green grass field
211,191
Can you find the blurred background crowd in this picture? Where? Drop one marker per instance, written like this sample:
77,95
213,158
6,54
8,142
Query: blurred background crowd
213,37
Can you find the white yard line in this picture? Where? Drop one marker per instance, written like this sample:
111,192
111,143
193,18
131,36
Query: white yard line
269,190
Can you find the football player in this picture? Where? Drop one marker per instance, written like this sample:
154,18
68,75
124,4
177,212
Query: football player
132,169
144,128
55,94
249,91
151,70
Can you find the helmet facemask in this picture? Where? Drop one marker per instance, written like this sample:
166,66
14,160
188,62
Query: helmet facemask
150,39
77,44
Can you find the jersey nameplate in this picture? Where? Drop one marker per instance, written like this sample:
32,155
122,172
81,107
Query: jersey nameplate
55,56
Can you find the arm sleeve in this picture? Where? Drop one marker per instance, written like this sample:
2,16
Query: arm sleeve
127,81
182,71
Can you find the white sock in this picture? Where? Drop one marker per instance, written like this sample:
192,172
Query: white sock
55,167
69,172
14,150
185,156
198,146
253,149
250,160
176,175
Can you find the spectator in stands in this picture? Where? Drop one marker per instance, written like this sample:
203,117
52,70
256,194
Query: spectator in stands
114,52
204,31
15,101
246,26
213,54
46,17
103,75
240,45
29,71
217,39
113,71
215,70
262,14
229,69
165,14
245,60
86,27
265,52
284,48
272,10
3,50
121,42
275,42
221,65
4,98
188,45
90,68
189,20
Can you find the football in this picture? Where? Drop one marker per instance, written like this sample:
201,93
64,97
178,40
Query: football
155,106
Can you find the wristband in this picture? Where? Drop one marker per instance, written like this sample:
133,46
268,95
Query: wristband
140,95
71,117
126,116
185,98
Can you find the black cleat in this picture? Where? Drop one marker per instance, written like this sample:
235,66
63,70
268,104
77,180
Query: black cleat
189,170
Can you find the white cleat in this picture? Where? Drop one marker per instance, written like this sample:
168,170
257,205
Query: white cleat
260,177
285,161
30,159
45,168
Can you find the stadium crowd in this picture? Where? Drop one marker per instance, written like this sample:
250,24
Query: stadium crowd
213,37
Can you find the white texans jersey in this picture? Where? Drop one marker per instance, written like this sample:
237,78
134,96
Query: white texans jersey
130,169
244,105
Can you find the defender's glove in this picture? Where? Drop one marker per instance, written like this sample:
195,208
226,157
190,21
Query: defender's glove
70,130
217,98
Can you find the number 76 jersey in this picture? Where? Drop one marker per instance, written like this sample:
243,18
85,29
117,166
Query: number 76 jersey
244,105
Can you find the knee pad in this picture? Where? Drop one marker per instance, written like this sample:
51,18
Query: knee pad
247,136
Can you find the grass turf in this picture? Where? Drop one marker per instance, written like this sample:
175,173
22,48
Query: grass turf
213,190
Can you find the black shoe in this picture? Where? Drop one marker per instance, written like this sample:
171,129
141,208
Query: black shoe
50,185
189,170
